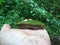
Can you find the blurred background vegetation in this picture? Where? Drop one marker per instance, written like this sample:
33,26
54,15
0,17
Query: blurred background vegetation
46,11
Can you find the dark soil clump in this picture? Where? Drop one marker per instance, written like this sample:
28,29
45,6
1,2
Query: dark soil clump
55,40
29,26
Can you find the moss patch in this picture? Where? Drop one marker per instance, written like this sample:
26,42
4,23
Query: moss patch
31,22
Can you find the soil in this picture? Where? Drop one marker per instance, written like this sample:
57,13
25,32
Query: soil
55,40
29,26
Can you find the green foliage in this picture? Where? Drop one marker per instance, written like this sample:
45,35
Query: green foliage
46,11
1,1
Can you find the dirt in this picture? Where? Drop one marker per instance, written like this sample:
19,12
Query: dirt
29,26
55,40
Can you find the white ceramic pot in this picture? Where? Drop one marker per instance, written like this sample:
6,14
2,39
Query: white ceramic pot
23,37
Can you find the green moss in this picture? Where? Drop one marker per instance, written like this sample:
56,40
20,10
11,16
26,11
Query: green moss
32,22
